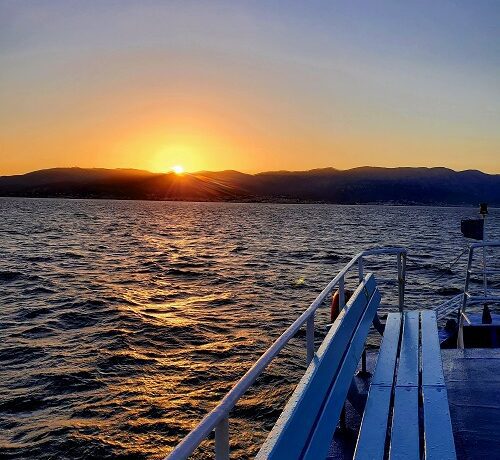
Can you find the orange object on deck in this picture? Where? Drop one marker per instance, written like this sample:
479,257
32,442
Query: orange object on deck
335,306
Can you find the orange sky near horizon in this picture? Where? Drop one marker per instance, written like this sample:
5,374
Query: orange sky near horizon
245,87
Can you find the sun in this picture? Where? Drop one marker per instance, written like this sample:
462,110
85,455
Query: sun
178,169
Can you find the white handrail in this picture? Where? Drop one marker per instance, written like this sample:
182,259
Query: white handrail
218,418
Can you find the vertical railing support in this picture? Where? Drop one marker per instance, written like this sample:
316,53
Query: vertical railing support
363,372
463,306
401,280
222,440
485,277
341,293
310,339
360,269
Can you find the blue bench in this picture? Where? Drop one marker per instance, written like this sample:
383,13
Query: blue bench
416,385
307,424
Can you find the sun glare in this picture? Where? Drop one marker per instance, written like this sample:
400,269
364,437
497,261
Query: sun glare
178,169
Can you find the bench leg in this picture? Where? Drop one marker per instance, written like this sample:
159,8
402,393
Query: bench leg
343,420
363,373
357,399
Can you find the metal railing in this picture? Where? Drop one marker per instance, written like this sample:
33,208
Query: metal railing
467,297
218,418
449,307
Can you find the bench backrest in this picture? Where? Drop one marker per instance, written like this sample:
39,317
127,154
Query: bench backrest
308,421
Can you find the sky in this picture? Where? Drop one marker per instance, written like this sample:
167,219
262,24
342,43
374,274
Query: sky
251,86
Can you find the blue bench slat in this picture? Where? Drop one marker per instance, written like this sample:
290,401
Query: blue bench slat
432,367
384,371
404,433
408,359
325,427
372,434
404,442
371,440
292,430
438,433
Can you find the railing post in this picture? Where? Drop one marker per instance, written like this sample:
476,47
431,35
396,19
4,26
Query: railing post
485,277
360,269
401,280
341,293
363,372
463,306
222,440
310,339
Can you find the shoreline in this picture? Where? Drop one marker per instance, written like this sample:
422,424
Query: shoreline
249,201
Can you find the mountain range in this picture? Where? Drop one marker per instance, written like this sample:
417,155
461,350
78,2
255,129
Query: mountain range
364,185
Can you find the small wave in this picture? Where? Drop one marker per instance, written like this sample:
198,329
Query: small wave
221,355
76,320
40,290
7,275
239,249
426,267
121,300
73,255
63,445
71,382
35,312
20,404
38,331
154,311
387,282
150,263
449,290
166,429
183,273
222,301
86,412
21,354
211,327
38,258
123,364
301,254
159,298
191,264
124,281
88,303
329,256
261,409
175,331
155,411
12,232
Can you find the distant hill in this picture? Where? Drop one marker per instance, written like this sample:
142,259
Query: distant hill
426,186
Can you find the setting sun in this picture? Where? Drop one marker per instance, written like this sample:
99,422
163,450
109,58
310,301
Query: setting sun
178,169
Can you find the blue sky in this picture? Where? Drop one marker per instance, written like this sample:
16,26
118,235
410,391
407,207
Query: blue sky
249,85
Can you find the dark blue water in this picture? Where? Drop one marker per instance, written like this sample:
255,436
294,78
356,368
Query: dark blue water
122,323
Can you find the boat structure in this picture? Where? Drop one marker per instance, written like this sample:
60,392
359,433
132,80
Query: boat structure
429,389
